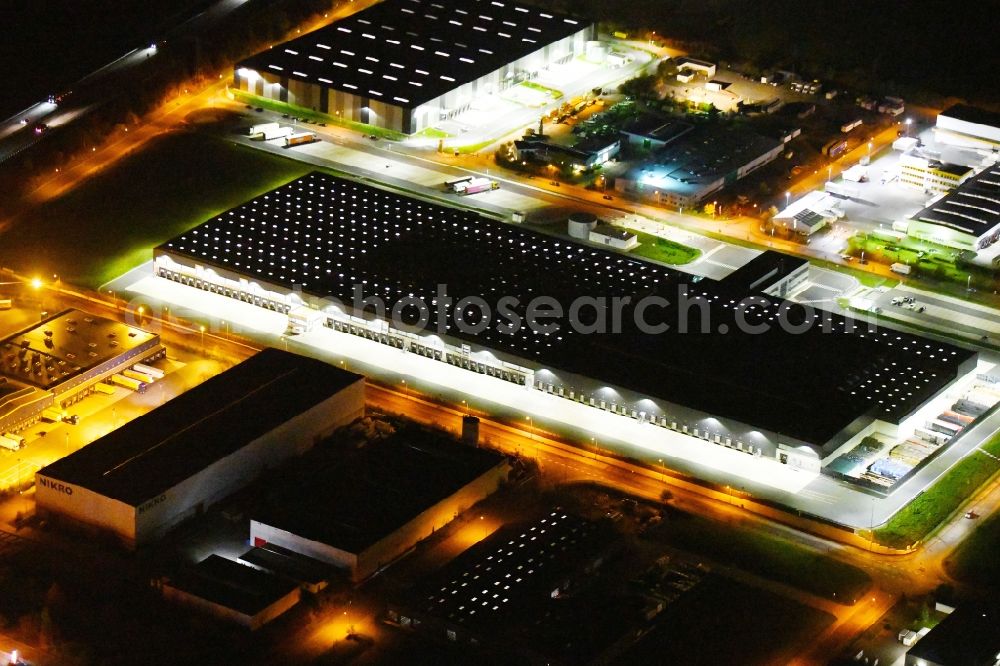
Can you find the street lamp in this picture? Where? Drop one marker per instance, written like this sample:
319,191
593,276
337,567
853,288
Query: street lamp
202,329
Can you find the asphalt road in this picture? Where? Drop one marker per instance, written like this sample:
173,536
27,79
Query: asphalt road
100,86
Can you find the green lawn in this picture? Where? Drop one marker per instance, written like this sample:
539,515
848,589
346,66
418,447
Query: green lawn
766,556
661,249
552,92
111,222
433,133
920,517
929,259
302,112
974,561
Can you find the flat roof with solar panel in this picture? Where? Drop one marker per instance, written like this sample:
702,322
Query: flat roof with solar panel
321,235
411,51
494,583
972,208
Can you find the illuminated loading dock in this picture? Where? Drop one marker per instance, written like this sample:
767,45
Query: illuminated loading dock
60,360
142,479
405,65
796,397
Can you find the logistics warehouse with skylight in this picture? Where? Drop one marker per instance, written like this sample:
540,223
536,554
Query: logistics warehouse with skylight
405,65
303,248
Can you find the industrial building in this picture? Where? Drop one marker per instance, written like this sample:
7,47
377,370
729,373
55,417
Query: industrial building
971,126
930,175
585,155
361,509
690,169
231,591
651,131
967,637
405,65
586,226
486,594
967,218
140,480
695,65
308,243
52,364
810,213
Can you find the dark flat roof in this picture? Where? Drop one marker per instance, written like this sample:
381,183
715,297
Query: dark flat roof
967,637
408,52
65,345
972,208
158,450
764,269
809,385
290,565
953,169
513,570
658,127
232,585
973,114
361,496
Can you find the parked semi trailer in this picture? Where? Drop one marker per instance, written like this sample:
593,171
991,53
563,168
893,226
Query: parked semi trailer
155,373
256,130
9,444
477,185
139,376
300,139
129,383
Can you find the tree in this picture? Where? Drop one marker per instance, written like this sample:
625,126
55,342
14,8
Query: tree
640,87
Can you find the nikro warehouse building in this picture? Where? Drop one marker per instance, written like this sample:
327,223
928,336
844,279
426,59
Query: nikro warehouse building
142,479
316,238
405,65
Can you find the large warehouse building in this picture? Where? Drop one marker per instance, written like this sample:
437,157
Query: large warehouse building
142,479
362,509
966,125
708,375
405,65
967,218
56,362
